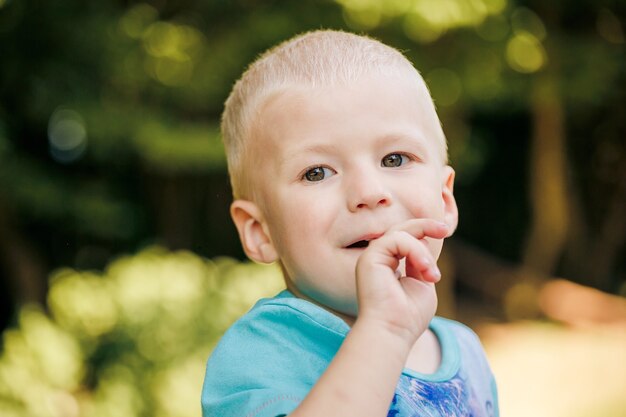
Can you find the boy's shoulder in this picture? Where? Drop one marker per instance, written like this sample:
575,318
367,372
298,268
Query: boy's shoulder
278,325
282,345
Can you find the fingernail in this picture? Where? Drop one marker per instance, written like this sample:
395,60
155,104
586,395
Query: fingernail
435,272
442,224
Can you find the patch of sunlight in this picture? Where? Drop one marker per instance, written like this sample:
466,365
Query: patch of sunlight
547,370
369,14
177,388
525,53
236,283
389,7
177,42
423,20
495,6
420,30
147,284
172,49
238,292
82,302
362,19
445,13
58,356
170,72
39,364
116,396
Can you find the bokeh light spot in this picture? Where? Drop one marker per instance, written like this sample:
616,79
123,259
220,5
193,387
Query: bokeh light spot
494,28
495,6
67,135
83,303
362,19
163,39
424,21
171,50
525,20
420,30
525,54
173,72
609,26
135,21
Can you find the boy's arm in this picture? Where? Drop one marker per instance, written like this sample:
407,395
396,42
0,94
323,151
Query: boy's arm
393,313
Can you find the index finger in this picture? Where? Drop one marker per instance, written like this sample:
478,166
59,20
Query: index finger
421,228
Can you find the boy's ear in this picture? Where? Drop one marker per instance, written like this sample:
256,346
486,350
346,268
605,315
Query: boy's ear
451,212
253,233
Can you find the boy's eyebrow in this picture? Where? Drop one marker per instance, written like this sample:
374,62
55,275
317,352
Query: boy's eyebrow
415,140
315,149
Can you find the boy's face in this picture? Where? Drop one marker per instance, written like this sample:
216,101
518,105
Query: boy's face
339,166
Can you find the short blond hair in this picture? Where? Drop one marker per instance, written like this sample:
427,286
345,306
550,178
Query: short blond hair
317,58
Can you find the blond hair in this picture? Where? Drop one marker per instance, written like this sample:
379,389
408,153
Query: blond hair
318,58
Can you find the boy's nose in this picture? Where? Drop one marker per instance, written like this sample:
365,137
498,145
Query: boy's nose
368,194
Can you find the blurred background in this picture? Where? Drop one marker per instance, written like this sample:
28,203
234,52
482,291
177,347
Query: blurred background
119,266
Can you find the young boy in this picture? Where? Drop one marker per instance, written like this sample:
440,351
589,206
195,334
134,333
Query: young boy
339,171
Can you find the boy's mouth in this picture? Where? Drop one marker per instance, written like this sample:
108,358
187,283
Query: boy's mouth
359,244
363,241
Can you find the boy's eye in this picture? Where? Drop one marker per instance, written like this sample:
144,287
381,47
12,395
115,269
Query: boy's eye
317,174
394,160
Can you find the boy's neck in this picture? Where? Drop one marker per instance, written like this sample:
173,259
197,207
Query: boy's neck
345,317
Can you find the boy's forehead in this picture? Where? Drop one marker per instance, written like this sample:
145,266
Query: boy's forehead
282,110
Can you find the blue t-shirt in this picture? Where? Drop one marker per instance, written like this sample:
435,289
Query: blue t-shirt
267,362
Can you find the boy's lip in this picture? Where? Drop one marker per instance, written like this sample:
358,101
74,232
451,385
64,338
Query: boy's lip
363,241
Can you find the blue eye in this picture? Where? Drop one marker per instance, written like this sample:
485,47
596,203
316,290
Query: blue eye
394,160
317,174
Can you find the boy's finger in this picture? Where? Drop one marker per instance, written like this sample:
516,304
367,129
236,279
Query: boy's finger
419,265
400,244
421,228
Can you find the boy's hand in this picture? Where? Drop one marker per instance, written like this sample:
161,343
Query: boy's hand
402,304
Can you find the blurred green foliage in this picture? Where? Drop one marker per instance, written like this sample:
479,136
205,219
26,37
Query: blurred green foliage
109,143
109,115
131,341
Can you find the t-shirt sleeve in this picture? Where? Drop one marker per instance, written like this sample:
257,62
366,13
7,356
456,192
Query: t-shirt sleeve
266,363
